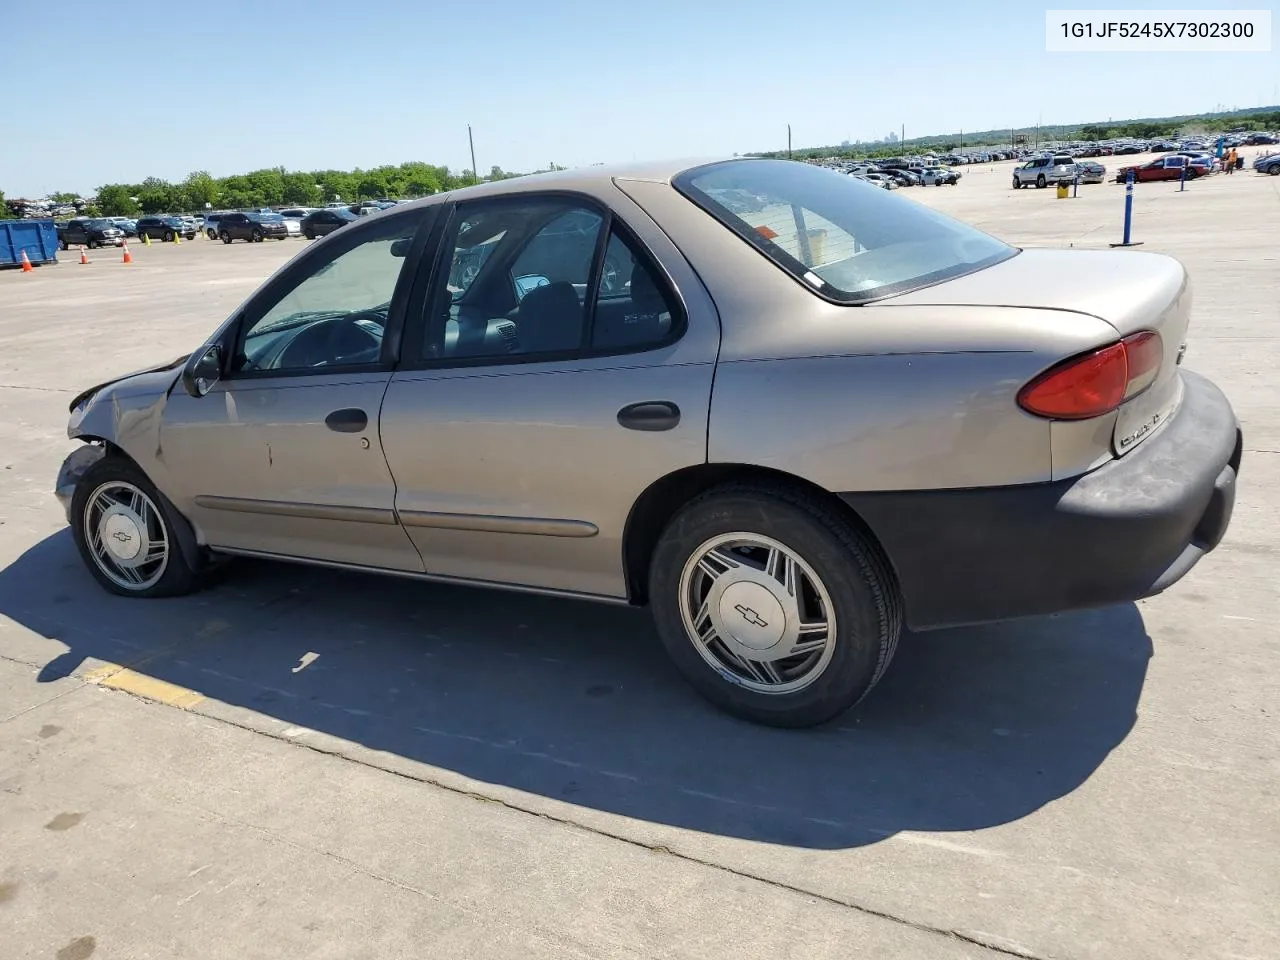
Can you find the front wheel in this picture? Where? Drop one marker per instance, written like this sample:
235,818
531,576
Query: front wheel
124,535
168,236
255,236
1274,170
773,604
212,235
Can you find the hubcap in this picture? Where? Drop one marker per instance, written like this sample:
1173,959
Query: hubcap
126,535
757,613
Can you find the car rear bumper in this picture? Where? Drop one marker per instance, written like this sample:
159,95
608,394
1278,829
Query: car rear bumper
1127,530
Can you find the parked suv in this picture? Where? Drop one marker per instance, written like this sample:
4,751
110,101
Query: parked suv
92,233
165,228
1043,171
317,223
211,224
254,227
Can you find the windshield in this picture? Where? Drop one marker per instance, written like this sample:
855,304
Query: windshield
266,217
100,224
846,240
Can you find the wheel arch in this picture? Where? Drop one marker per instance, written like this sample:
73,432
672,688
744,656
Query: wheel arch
663,498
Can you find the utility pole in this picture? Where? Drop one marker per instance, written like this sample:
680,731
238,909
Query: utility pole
903,137
788,141
475,174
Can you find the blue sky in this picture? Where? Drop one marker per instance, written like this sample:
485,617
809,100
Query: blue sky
116,90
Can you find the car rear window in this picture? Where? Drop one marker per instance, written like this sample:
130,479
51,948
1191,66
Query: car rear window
846,240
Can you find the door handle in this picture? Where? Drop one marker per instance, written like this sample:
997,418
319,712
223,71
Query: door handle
650,415
350,420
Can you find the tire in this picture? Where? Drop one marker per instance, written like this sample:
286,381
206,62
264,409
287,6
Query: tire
116,477
1274,170
1040,182
854,578
168,236
226,237
65,245
211,234
255,236
93,244
309,233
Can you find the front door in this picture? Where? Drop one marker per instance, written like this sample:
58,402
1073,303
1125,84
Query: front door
563,364
283,456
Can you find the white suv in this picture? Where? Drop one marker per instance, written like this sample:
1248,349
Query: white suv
1043,171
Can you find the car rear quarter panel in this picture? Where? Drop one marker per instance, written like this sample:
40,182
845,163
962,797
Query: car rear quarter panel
876,397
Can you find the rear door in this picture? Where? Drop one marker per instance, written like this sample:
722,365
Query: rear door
562,363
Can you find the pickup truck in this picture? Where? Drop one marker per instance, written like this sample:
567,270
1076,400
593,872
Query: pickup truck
97,232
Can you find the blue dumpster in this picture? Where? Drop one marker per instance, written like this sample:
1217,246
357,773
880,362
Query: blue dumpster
38,237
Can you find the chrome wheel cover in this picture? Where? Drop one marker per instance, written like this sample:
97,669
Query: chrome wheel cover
757,613
126,535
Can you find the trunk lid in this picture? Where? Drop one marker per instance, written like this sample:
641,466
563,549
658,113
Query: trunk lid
1128,290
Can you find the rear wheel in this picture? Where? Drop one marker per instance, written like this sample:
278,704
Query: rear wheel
1040,181
309,233
124,535
1274,170
226,237
773,605
93,244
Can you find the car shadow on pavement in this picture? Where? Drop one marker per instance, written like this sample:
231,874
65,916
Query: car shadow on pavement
970,728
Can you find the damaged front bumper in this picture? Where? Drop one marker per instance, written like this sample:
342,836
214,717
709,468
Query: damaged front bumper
73,468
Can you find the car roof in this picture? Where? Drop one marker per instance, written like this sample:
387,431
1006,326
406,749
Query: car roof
584,179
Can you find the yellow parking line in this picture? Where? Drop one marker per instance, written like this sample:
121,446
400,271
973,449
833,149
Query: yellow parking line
116,677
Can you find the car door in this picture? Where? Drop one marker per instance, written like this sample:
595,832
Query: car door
283,456
562,363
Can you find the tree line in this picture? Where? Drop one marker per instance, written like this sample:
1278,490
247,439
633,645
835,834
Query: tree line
272,187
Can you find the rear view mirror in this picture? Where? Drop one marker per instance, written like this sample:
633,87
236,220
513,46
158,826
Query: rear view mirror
202,371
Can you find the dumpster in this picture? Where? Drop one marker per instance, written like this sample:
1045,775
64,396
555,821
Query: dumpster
39,238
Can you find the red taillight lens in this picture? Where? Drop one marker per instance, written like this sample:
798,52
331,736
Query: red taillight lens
1097,382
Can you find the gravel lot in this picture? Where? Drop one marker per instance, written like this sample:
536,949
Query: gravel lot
303,763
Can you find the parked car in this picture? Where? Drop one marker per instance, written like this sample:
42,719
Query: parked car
1091,171
905,178
1269,164
1161,168
882,180
711,443
937,176
127,225
1043,171
317,223
211,224
91,233
165,228
253,227
293,217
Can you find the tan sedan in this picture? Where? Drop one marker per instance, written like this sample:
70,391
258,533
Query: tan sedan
790,411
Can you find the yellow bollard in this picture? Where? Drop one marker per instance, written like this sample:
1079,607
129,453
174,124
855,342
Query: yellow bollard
1063,192
146,239
177,237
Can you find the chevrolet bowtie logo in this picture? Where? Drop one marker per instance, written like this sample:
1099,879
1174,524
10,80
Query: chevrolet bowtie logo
751,616
121,536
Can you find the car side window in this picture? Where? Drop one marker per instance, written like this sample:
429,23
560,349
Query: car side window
633,306
336,313
516,280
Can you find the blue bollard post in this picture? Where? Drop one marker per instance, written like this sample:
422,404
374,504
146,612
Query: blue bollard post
1128,213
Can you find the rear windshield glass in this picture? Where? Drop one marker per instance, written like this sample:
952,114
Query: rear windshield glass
846,239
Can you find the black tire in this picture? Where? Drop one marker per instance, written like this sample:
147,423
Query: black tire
255,236
1274,170
211,234
309,233
867,608
65,245
226,237
93,244
178,577
1040,182
168,236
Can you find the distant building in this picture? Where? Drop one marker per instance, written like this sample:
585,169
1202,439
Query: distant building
891,138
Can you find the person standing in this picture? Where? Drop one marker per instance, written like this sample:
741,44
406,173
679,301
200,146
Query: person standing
1231,160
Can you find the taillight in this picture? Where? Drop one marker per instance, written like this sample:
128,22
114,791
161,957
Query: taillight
1097,382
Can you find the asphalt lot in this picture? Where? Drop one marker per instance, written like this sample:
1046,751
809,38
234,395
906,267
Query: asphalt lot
305,763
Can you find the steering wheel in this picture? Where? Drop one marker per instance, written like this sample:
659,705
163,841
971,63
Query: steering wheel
330,342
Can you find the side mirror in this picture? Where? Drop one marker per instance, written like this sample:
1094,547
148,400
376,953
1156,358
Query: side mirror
400,248
202,371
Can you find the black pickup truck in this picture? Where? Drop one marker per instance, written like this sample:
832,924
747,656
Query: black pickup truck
92,233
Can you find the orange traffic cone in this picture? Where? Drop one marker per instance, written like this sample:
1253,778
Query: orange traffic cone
128,257
26,262
84,257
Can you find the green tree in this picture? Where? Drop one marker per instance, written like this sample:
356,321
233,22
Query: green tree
267,186
300,190
198,189
116,200
5,212
64,197
157,196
